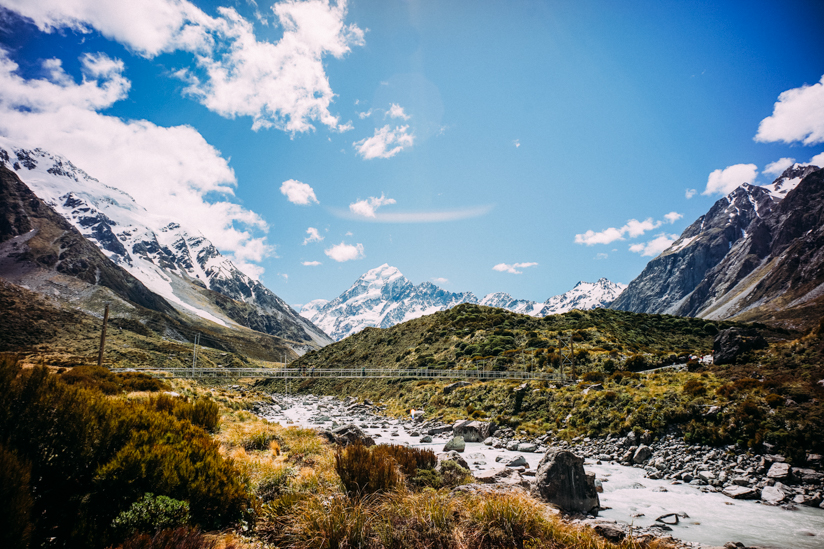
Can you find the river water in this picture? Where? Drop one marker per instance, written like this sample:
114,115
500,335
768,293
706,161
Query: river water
714,519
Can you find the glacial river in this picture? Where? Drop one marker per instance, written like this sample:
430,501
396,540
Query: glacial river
714,519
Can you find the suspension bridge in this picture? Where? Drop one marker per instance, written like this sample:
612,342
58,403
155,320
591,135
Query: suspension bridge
346,373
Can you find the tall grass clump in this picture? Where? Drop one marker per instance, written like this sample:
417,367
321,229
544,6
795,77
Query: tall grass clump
363,472
423,519
506,520
408,459
15,501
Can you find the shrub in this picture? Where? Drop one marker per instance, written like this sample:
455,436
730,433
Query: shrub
361,472
110,452
204,413
593,376
151,514
746,384
15,501
774,400
694,387
453,474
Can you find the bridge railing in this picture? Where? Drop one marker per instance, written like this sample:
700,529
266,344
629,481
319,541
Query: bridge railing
308,373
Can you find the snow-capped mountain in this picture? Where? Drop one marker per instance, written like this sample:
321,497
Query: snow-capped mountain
175,262
383,297
380,298
755,249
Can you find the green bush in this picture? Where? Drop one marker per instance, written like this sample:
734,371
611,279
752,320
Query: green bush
151,514
92,457
204,413
453,474
15,501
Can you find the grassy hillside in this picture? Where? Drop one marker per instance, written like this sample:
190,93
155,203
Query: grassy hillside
467,334
770,397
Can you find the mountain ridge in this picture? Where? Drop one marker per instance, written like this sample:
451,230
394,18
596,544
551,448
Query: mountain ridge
382,297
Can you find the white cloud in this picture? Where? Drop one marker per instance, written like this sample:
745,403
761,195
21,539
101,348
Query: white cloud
635,228
601,255
517,143
345,252
690,193
777,168
439,280
396,111
346,127
314,236
818,160
282,84
365,114
416,217
171,170
672,217
654,246
798,115
367,207
310,263
385,143
730,178
298,193
603,237
505,268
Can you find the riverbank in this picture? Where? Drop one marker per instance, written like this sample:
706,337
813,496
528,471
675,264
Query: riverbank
676,479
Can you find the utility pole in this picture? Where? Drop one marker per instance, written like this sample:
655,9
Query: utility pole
103,336
194,353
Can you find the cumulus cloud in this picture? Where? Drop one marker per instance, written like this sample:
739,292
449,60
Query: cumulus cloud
385,143
439,280
366,208
798,115
396,111
690,193
654,246
313,236
506,268
345,252
777,168
365,114
672,217
282,84
310,263
517,143
730,178
171,170
298,193
818,160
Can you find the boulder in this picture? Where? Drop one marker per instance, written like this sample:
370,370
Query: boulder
806,476
451,456
731,343
642,454
473,431
457,385
772,495
562,481
739,492
517,461
779,471
349,434
611,532
512,445
426,439
457,444
527,447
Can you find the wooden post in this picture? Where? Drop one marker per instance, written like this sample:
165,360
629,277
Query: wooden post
103,336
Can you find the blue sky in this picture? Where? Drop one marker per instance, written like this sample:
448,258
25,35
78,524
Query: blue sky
484,146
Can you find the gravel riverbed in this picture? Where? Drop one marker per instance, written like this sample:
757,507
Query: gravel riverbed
712,496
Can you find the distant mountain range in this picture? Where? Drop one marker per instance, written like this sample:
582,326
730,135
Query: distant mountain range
178,266
757,254
383,297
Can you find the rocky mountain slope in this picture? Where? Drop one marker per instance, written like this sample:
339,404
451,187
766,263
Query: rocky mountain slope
742,255
383,297
174,262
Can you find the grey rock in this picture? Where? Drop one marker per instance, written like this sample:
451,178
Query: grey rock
527,447
772,495
352,434
457,385
502,475
517,461
739,492
562,481
426,439
642,454
455,443
473,431
451,456
779,471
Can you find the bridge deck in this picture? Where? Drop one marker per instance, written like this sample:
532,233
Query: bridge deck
298,373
